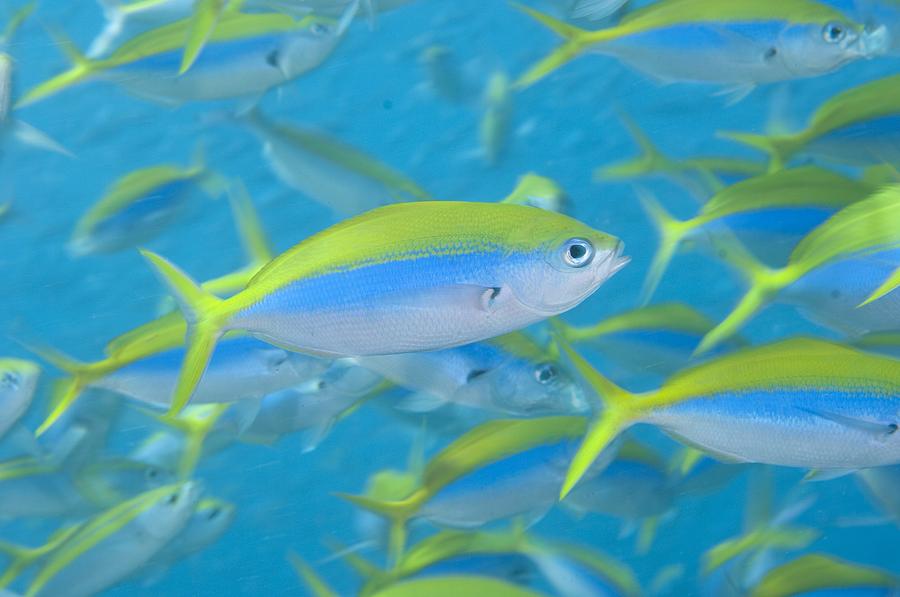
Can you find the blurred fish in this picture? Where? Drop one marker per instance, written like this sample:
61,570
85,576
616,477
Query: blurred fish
830,272
18,382
497,118
140,205
498,470
593,10
246,55
403,278
241,368
636,488
820,574
538,191
574,570
22,131
327,170
112,546
767,212
206,525
659,339
442,73
882,486
857,126
702,176
741,43
775,404
511,375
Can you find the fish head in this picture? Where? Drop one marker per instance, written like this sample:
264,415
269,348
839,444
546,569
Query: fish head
525,388
18,381
306,48
568,270
811,49
166,510
210,520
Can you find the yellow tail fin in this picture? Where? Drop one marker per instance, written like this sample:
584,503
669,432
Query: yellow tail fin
82,68
575,41
203,22
671,232
397,513
620,409
205,319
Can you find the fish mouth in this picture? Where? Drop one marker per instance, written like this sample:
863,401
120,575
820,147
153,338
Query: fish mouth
614,261
873,42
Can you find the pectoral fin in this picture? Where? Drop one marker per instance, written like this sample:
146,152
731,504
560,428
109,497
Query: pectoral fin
874,427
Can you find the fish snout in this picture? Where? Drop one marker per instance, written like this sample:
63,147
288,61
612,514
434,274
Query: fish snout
874,42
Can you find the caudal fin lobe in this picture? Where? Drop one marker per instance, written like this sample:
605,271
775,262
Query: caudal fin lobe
575,41
205,317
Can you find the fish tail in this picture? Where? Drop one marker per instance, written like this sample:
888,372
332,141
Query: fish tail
205,315
649,161
534,185
671,232
757,541
779,148
397,514
619,410
575,40
196,426
82,68
314,582
65,391
203,23
21,557
889,285
764,283
250,230
16,21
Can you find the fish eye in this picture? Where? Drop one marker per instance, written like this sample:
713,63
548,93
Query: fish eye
545,373
272,58
892,428
172,499
834,33
213,513
10,380
152,473
578,252
320,28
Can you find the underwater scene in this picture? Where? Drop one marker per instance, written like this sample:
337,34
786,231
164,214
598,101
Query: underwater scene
414,298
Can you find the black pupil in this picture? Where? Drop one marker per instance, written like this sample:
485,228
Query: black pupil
547,373
836,32
213,513
173,498
272,58
577,252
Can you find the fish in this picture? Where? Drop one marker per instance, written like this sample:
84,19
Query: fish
210,520
147,372
881,486
636,488
140,205
775,208
245,56
111,546
595,10
327,170
18,383
496,120
402,278
820,573
511,375
798,403
857,126
847,256
575,570
538,191
442,73
702,176
519,463
740,44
